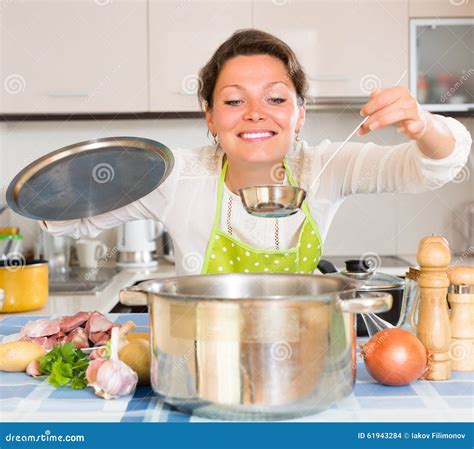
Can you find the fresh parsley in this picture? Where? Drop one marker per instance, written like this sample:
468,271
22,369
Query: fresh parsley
65,365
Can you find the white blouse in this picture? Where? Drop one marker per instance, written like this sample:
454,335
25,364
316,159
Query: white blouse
186,201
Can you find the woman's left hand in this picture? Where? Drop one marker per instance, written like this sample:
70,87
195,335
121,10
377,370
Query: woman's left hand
394,106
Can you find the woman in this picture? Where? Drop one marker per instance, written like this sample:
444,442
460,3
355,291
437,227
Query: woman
253,92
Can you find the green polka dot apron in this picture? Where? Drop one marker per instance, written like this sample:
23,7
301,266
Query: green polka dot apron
226,254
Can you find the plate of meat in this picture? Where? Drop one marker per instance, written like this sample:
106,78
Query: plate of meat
89,330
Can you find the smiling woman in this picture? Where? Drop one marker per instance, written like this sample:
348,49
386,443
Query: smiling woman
253,95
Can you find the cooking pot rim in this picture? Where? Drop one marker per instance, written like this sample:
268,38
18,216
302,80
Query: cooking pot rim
26,263
345,293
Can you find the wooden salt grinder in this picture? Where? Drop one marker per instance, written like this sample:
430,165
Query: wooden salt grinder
461,299
433,320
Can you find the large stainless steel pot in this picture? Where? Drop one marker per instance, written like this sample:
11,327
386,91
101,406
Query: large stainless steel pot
253,346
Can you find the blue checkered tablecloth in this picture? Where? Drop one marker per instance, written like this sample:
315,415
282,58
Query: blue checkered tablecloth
24,399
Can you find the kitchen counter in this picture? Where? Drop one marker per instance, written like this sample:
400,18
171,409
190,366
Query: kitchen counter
24,399
102,301
105,300
399,265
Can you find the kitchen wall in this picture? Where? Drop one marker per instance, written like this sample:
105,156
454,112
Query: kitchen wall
385,224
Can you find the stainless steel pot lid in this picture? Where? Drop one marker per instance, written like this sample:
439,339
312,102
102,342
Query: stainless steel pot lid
89,178
372,280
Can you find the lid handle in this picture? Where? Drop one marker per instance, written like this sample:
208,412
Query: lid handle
360,266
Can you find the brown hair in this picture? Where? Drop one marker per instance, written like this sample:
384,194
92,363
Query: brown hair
250,42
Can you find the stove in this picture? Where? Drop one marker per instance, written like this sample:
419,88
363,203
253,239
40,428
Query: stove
80,281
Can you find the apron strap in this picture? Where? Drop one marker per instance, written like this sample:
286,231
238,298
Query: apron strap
220,194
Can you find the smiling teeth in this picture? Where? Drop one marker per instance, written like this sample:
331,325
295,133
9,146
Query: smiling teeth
256,135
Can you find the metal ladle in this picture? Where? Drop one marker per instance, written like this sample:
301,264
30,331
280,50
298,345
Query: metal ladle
272,201
277,201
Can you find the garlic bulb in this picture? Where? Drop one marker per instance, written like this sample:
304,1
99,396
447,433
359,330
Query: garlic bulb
33,368
111,378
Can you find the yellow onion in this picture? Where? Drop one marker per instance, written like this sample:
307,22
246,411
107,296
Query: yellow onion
395,357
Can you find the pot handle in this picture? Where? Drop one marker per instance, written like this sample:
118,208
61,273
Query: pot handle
133,296
325,267
367,302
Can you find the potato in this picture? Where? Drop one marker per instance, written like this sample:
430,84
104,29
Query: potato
16,355
136,355
138,335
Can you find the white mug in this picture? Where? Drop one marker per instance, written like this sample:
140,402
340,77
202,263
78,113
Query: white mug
89,252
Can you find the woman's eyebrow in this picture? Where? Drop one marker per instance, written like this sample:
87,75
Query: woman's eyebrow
238,86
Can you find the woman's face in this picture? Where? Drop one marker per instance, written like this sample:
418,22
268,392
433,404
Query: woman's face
255,111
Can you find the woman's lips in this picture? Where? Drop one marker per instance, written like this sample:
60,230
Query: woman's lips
256,136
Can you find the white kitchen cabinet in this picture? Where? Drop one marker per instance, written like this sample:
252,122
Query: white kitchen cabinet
441,8
73,57
347,47
183,36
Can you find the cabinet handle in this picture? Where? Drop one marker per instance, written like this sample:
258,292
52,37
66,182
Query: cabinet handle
67,94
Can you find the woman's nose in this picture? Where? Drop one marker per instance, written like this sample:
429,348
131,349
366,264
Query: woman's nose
254,111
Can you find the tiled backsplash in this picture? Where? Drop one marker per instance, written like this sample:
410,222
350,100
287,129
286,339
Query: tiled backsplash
385,224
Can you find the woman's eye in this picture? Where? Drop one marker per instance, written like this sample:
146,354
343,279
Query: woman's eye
233,102
276,100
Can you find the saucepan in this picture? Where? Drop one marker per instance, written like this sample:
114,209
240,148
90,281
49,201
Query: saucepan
23,284
253,346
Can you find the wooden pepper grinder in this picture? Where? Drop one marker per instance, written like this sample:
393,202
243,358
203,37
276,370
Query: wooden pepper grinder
461,300
433,320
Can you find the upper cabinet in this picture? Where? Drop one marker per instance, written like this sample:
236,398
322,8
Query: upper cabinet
183,36
73,57
346,47
441,8
112,56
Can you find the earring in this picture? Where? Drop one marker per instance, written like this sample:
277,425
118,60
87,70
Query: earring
214,139
297,137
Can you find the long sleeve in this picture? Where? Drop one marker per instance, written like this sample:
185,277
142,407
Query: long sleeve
93,226
156,206
371,168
